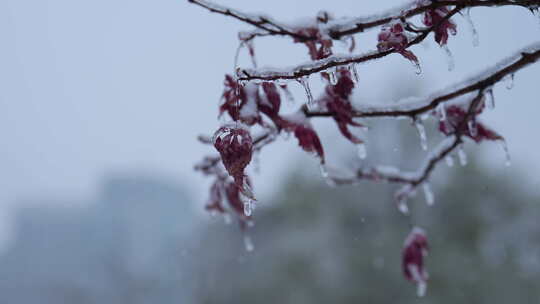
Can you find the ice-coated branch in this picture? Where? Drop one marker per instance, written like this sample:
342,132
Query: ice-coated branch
264,23
347,26
322,65
413,179
413,107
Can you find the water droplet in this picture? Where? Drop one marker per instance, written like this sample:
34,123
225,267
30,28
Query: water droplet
248,243
402,206
449,160
428,193
422,133
441,109
473,130
324,173
361,150
462,156
304,81
248,208
490,99
449,57
508,160
354,72
472,28
509,80
421,288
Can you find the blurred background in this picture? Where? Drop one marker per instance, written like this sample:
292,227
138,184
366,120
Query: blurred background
100,106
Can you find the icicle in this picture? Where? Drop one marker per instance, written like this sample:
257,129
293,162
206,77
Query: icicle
428,193
422,133
248,207
473,130
248,243
304,81
421,288
361,150
490,99
354,72
401,198
504,146
449,160
449,57
474,33
462,156
332,76
509,81
324,172
442,112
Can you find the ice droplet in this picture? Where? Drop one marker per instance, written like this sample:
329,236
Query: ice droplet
462,156
361,150
248,207
324,173
473,130
421,288
332,76
304,81
354,72
417,67
449,160
227,218
472,28
509,80
508,160
428,193
442,112
490,99
402,205
422,133
248,243
449,57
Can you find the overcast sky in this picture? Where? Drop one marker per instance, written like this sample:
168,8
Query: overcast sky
90,87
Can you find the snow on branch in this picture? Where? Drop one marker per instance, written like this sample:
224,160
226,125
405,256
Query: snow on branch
413,107
322,65
337,29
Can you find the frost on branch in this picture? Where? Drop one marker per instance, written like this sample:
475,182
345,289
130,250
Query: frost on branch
415,249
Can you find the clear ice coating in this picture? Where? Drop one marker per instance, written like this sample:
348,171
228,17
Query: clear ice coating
354,72
428,193
449,57
508,160
462,156
304,81
422,133
473,130
332,76
509,80
474,33
442,112
248,207
449,160
248,243
361,150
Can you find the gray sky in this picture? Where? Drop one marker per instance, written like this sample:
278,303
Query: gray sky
93,86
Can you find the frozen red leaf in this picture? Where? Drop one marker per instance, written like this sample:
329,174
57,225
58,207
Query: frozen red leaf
320,47
415,249
235,147
435,17
337,100
240,102
392,36
309,141
455,121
